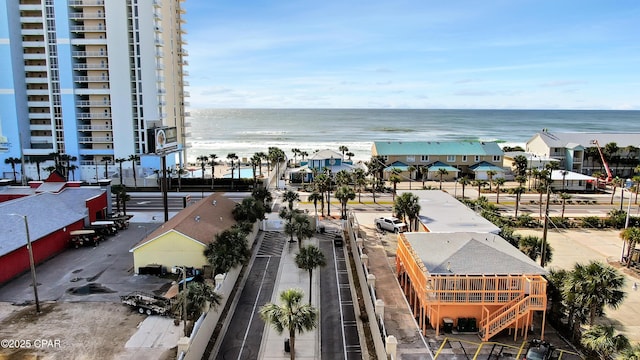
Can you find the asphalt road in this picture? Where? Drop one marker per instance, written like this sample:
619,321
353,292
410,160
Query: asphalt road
244,334
339,331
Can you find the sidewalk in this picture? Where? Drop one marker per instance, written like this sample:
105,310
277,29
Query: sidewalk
290,276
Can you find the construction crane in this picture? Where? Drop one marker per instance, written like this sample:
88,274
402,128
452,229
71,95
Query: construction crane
604,162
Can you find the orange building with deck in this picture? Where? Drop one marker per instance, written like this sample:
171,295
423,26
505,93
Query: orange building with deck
473,282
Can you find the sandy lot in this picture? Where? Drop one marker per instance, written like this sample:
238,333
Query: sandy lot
79,330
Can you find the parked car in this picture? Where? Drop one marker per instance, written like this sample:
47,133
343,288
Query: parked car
539,350
391,224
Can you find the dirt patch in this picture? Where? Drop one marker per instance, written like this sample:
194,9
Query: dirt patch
85,330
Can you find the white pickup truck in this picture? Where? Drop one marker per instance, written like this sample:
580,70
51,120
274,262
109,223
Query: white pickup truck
391,224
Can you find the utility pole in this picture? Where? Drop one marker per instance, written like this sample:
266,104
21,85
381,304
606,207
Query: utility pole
165,201
546,224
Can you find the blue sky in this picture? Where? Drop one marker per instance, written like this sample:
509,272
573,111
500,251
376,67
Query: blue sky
511,54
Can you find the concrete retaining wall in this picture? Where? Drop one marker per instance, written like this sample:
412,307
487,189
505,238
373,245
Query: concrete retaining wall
366,295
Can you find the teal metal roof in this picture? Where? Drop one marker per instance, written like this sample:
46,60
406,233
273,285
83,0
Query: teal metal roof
440,165
436,148
486,166
397,165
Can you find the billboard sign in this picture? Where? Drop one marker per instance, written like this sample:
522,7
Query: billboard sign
162,140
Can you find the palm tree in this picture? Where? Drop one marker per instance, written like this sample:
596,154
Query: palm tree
343,177
490,175
442,172
315,197
199,297
263,195
302,228
290,197
124,197
520,165
120,161
255,163
303,154
292,315
360,181
407,205
349,154
228,250
202,159
276,156
50,169
37,160
499,182
343,149
13,161
309,258
610,152
517,191
594,286
631,236
532,247
529,245
410,170
375,167
72,170
344,194
259,157
212,162
295,152
423,171
322,184
106,160
249,209
564,197
394,178
615,183
464,181
630,353
480,184
134,158
601,340
233,157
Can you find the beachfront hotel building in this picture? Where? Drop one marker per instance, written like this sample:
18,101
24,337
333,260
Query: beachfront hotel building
87,78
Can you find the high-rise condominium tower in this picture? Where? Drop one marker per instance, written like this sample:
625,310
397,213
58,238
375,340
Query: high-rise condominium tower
85,79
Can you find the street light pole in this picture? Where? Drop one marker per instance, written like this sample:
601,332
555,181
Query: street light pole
31,262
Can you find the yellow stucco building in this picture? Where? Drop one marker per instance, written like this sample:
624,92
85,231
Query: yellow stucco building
182,240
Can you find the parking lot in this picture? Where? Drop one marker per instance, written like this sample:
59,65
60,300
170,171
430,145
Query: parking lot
100,273
81,314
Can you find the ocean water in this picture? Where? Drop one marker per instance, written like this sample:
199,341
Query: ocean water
247,131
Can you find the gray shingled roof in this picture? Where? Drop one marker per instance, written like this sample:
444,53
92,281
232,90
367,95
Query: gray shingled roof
470,254
45,212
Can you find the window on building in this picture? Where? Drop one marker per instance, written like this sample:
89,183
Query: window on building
451,158
464,158
496,158
411,159
477,158
424,158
